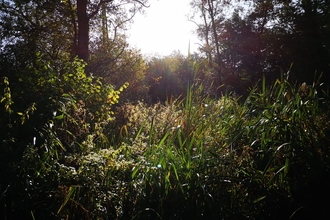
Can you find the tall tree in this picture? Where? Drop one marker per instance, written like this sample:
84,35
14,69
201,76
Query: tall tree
293,32
87,10
210,22
50,24
265,38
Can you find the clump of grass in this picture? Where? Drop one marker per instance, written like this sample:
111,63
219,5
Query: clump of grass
240,159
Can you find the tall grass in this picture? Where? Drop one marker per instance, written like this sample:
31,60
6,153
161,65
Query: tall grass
229,160
264,157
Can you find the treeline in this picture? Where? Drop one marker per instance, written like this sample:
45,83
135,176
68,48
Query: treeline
241,41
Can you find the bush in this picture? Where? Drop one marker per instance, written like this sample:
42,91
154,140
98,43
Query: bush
56,113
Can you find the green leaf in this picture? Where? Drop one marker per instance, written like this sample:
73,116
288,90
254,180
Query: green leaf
59,117
259,199
70,194
135,170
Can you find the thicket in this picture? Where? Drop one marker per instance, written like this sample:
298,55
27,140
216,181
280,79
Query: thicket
218,135
196,157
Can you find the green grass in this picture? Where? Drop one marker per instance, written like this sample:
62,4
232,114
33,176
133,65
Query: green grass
243,159
264,157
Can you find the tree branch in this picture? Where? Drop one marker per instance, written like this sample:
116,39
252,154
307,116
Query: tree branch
141,3
91,15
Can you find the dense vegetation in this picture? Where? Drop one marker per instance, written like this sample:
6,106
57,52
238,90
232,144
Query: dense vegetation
91,129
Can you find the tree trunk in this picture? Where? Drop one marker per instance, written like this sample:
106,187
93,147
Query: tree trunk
105,34
83,30
206,35
216,42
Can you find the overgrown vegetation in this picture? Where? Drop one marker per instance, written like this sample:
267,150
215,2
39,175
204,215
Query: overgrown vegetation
259,158
225,136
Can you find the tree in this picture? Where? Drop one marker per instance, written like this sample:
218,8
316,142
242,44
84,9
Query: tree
117,64
309,38
212,15
34,26
62,27
169,77
87,10
265,38
293,32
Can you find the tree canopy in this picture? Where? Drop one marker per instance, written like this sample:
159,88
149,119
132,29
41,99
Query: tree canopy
248,39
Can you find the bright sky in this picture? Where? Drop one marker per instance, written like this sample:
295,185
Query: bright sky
163,28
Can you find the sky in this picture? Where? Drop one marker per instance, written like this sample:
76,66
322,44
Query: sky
163,28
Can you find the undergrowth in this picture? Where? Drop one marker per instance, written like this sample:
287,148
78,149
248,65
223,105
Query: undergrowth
252,159
264,157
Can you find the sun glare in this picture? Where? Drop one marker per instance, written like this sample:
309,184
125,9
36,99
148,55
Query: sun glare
164,28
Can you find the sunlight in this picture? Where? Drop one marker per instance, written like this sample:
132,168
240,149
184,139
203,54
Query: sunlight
164,28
